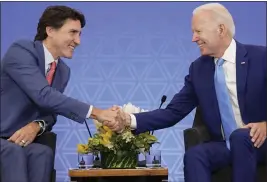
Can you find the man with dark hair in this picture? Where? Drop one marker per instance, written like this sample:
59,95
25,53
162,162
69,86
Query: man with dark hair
33,78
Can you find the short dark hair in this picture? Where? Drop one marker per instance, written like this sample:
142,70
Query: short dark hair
55,16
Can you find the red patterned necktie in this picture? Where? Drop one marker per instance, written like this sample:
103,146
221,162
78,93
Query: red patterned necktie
51,72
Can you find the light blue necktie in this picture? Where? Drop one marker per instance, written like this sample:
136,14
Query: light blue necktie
226,110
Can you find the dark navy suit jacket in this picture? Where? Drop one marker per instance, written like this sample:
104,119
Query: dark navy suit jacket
25,93
199,90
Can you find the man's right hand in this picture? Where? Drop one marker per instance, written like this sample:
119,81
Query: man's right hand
104,115
123,120
114,118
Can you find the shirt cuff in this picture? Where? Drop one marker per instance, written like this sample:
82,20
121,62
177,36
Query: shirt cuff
133,122
89,112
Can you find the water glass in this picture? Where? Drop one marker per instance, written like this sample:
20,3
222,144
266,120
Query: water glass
153,158
85,161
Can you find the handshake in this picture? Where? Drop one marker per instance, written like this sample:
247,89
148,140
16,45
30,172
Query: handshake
114,118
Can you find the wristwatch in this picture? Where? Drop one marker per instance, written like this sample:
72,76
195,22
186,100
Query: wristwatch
42,125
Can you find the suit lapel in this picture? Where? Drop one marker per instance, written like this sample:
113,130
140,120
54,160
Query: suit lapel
57,80
241,74
209,72
41,57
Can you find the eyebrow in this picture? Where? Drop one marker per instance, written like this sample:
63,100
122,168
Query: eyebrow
76,31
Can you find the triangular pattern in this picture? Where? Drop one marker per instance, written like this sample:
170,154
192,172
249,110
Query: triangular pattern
70,159
123,73
172,143
59,163
139,95
140,47
124,44
70,143
157,44
156,91
179,166
171,48
62,134
140,67
155,73
91,73
93,47
77,92
123,90
172,67
106,95
91,90
171,160
107,47
108,68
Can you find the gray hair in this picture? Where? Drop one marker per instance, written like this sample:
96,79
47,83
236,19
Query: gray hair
222,15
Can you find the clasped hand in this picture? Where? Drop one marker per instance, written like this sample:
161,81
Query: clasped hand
114,118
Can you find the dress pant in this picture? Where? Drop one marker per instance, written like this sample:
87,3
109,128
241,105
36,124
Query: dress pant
25,164
201,160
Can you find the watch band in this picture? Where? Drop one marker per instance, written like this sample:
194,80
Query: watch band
42,125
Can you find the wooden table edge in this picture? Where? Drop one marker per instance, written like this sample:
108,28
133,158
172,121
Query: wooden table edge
118,172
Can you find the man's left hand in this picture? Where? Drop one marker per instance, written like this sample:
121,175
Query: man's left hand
257,132
25,135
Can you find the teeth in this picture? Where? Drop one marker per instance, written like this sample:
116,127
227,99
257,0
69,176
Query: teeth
71,47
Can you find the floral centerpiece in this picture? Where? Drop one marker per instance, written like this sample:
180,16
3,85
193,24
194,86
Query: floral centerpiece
118,150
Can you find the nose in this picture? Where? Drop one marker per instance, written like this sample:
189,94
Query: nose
195,37
77,40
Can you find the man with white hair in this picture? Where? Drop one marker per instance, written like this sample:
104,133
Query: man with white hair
228,83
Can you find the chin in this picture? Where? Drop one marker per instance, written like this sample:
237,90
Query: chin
68,55
204,52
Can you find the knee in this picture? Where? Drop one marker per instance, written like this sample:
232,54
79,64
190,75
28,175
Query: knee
12,152
240,136
12,149
193,155
42,152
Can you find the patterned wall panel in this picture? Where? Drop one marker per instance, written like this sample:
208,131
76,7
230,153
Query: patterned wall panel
130,52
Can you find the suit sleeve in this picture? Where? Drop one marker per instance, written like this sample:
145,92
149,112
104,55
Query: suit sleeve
180,106
20,64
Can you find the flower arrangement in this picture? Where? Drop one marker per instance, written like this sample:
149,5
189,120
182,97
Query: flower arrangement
126,143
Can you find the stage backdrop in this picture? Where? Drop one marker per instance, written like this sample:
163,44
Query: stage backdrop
130,52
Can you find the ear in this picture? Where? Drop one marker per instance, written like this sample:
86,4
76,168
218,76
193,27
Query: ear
222,30
49,31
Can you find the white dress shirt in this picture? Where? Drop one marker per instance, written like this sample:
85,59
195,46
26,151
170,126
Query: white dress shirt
48,60
229,67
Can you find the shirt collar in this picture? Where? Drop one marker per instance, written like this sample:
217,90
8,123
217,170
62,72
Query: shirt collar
230,53
48,56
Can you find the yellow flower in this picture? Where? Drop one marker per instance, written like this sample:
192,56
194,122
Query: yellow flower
109,134
105,141
107,129
82,148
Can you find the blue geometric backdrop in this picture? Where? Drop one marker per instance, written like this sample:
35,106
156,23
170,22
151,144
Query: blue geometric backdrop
130,52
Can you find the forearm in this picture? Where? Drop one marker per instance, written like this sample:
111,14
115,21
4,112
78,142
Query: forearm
155,120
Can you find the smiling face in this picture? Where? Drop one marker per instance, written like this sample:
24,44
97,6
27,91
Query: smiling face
63,41
206,33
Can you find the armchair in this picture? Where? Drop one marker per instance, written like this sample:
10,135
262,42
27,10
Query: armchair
199,134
